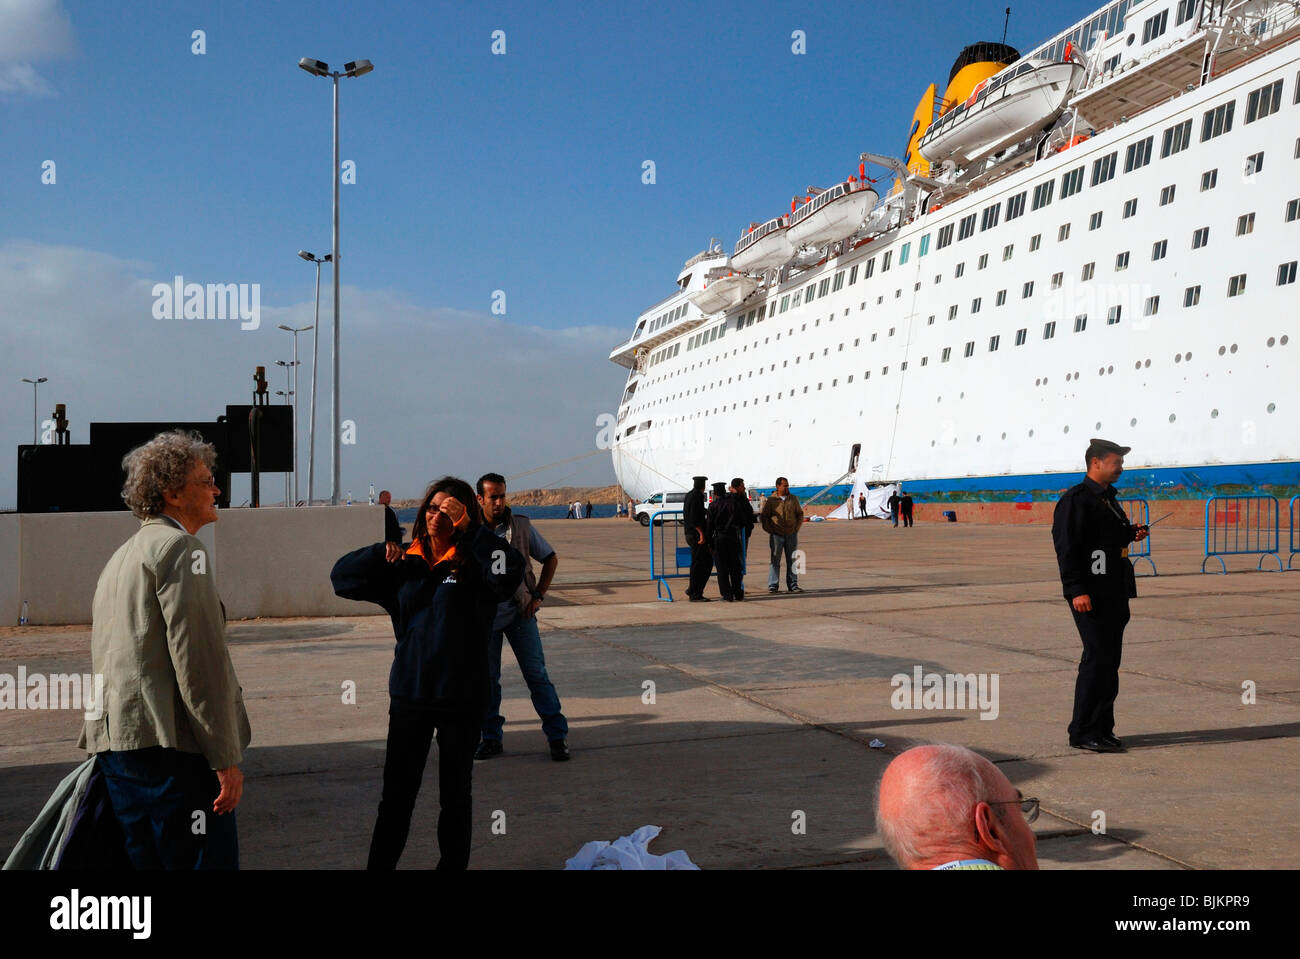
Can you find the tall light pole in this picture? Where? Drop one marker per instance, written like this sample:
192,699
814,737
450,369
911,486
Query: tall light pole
295,330
291,390
35,383
315,339
356,68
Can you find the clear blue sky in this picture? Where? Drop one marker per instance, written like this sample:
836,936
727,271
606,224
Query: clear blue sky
475,173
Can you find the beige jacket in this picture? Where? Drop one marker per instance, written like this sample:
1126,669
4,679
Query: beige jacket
159,640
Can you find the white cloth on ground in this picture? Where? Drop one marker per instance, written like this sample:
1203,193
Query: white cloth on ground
628,852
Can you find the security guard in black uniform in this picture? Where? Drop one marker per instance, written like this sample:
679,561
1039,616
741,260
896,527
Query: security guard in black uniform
1092,533
696,523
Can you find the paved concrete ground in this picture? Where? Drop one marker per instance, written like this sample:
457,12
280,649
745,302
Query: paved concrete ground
763,711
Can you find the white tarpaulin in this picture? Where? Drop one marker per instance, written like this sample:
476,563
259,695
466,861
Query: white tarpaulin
877,501
628,852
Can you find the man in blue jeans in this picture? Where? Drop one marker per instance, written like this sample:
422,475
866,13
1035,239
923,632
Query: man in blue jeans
781,518
516,620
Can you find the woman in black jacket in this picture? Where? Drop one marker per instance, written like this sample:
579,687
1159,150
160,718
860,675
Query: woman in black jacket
441,593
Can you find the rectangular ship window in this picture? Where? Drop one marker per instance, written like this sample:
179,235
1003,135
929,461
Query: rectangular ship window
1192,296
1113,315
1158,249
1089,271
1217,121
1094,221
1043,194
1072,182
1035,242
1245,224
1200,237
1103,169
1021,336
1130,208
1167,195
1254,163
1001,298
1138,154
1121,261
1081,322
1237,285
1209,180
1176,139
1049,330
1016,205
1286,273
1264,101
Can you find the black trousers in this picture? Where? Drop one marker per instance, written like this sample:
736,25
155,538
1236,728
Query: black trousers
730,582
701,565
410,733
907,516
1097,685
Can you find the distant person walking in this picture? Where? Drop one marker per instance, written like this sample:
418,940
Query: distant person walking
862,505
588,509
907,505
172,728
392,528
516,621
894,502
781,518
695,520
631,510
441,593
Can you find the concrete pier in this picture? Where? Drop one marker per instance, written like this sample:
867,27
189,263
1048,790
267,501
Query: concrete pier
751,748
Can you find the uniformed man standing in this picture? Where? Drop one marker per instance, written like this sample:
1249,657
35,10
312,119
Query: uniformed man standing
695,521
1092,532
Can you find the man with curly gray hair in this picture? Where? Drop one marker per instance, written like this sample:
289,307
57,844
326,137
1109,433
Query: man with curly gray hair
946,807
173,727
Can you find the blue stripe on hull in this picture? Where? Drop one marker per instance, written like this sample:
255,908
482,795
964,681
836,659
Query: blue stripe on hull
1179,482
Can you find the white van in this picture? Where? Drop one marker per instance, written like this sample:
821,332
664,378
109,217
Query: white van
663,499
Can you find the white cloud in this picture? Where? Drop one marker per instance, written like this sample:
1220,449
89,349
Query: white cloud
432,390
31,31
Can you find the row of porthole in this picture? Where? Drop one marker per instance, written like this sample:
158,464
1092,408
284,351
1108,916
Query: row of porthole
1214,414
1140,364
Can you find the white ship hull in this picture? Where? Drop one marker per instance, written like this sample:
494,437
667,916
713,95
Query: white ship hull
944,367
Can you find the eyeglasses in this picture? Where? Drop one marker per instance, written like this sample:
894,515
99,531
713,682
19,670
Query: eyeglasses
210,481
1027,806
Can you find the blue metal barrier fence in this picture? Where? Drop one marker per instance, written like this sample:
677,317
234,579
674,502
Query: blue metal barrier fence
1295,530
665,565
1241,525
1139,514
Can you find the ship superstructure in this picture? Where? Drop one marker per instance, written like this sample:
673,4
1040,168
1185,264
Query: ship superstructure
1123,264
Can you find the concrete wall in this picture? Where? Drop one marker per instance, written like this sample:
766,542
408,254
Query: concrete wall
267,562
277,561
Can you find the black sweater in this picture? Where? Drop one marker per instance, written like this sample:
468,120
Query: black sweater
442,617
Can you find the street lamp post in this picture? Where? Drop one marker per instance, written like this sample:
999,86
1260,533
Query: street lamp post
355,68
295,331
288,392
35,383
315,339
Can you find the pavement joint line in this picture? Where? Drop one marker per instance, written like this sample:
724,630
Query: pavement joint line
1132,844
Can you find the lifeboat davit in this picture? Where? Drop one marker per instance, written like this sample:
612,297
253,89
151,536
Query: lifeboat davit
763,246
1001,111
724,292
832,214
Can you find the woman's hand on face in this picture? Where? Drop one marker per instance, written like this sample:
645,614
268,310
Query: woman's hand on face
453,509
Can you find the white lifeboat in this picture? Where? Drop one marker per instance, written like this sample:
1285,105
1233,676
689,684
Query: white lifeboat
1002,111
763,246
723,292
832,214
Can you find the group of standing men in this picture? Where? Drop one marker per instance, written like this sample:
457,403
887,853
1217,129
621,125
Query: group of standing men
719,536
898,505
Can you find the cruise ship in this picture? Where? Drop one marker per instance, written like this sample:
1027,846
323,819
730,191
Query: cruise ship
1095,238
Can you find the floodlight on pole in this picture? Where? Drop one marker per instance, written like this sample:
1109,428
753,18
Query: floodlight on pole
319,68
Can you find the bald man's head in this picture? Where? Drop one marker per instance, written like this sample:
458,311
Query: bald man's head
936,804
